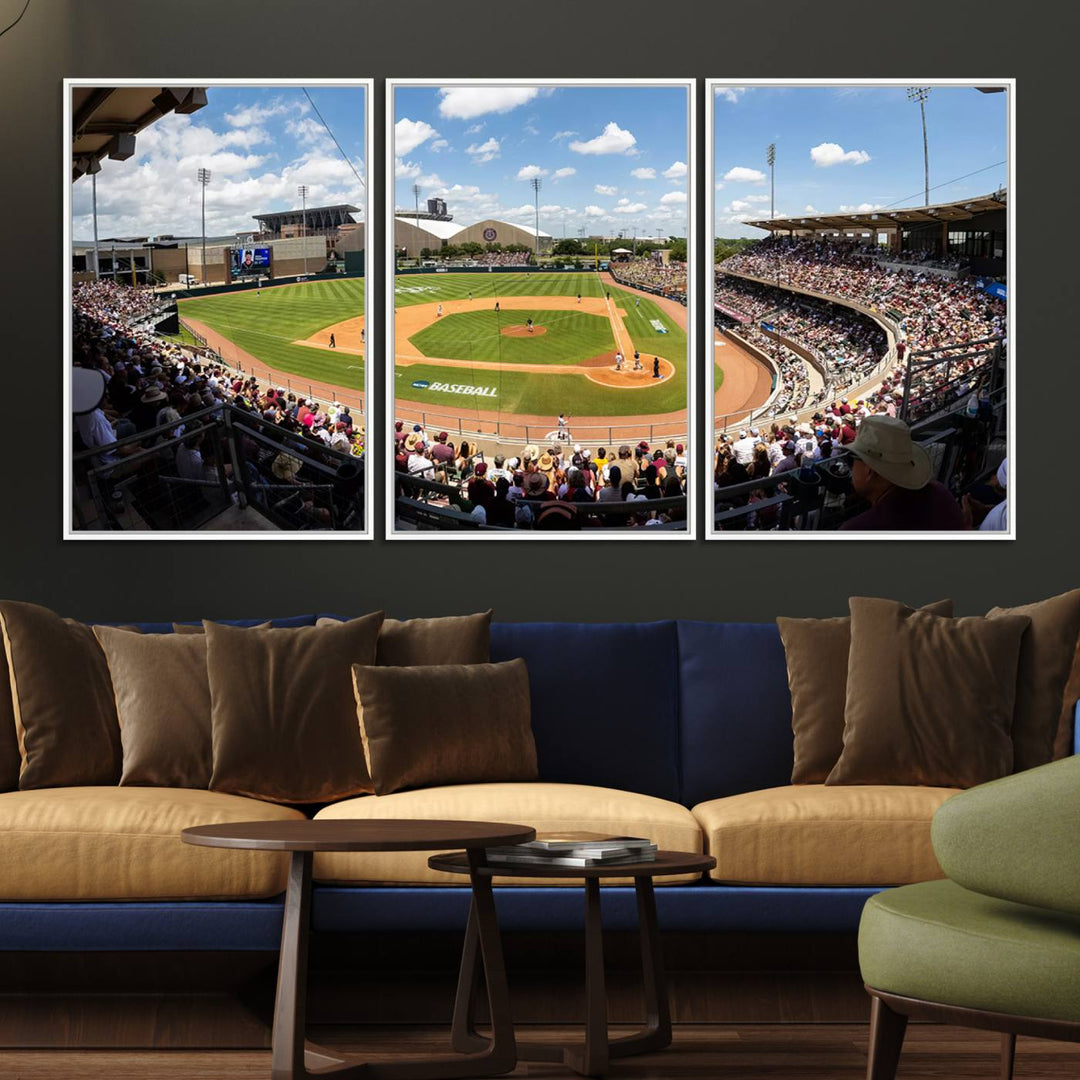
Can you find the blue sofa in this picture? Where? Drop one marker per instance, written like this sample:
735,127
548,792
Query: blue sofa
685,712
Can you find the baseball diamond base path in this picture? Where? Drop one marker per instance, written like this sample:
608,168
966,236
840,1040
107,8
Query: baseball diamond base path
234,355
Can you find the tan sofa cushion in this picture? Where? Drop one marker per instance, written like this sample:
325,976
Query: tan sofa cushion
810,834
546,807
123,843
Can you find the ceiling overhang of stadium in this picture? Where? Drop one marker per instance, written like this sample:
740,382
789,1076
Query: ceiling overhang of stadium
884,220
106,119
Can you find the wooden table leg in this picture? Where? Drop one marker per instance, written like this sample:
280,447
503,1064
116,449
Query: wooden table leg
886,1040
656,1034
1008,1055
464,1037
592,1059
292,1058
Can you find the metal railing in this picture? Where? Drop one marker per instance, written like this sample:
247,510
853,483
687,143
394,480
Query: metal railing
173,480
819,495
414,495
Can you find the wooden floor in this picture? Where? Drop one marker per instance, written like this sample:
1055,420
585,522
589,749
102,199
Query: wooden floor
725,1052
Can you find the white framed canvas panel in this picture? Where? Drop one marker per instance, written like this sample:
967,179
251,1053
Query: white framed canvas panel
541,309
860,309
214,298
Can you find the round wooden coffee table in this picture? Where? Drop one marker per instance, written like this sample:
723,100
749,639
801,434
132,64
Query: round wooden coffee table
592,1058
291,1057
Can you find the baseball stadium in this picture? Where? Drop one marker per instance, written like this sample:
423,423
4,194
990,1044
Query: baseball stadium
529,366
218,382
883,327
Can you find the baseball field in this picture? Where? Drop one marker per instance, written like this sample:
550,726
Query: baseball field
549,346
287,328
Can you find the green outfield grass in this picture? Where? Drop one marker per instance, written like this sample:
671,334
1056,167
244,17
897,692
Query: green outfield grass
267,324
569,336
535,392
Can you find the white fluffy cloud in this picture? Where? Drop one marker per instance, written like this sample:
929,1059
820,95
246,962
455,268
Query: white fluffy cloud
757,198
409,134
439,144
676,170
483,152
606,189
625,206
406,170
475,129
862,208
467,102
643,174
827,154
673,197
563,173
246,116
560,135
158,192
730,93
529,172
594,211
613,140
742,175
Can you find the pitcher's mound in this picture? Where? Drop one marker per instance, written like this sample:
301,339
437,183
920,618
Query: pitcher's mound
523,331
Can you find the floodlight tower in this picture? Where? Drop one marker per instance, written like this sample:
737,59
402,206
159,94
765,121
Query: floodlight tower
770,157
302,191
204,179
536,183
920,94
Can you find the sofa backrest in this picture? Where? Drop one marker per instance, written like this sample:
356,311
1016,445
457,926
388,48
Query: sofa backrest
166,627
605,701
735,710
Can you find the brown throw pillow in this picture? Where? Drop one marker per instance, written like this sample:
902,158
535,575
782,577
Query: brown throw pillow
9,739
1046,656
163,702
448,724
929,699
62,696
1066,735
454,639
817,662
197,628
282,710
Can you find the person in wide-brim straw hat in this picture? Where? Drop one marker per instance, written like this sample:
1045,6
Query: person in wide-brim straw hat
885,445
893,474
285,466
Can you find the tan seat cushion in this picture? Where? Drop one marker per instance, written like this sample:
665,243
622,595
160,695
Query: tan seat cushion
123,843
810,834
546,807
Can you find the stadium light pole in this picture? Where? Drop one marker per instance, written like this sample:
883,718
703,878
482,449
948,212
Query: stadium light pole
536,183
770,157
302,190
93,168
920,94
204,179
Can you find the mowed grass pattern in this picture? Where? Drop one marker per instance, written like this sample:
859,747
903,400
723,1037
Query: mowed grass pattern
569,336
266,325
535,392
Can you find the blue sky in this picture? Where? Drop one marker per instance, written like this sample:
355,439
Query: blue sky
259,144
610,159
851,148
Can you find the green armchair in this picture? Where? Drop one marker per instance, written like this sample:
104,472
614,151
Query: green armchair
997,944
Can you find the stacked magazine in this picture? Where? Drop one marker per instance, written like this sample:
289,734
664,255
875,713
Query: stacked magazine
575,849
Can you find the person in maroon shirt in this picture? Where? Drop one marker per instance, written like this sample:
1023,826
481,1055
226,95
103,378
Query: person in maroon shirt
893,474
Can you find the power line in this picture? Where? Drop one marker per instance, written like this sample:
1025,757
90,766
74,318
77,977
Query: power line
348,161
17,21
946,183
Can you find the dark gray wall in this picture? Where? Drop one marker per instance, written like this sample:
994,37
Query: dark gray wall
332,38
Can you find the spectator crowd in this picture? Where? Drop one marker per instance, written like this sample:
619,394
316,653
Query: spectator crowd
648,274
559,487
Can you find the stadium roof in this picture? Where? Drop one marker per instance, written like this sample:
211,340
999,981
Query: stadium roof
340,212
961,210
530,229
444,230
106,119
